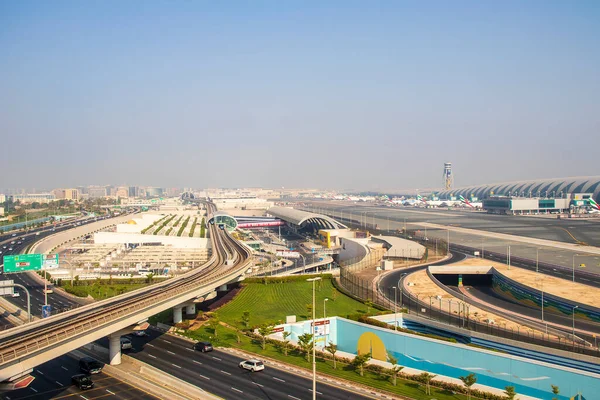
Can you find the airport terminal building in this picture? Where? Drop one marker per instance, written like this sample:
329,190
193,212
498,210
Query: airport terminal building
555,188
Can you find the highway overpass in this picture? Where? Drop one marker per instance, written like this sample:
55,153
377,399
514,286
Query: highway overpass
22,348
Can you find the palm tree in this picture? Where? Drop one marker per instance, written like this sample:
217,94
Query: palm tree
285,341
468,381
510,393
305,343
395,369
427,378
332,348
246,319
265,330
360,361
214,323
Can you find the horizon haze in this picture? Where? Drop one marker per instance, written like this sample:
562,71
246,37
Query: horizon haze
338,95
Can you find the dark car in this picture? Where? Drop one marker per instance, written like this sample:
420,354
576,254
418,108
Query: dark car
90,366
82,381
203,346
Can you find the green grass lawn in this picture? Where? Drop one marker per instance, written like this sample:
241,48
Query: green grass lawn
271,302
227,337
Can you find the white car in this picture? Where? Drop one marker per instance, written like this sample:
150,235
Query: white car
252,365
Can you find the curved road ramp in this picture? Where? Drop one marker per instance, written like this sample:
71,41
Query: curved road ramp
25,347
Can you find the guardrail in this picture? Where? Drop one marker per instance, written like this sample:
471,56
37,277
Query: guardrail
44,333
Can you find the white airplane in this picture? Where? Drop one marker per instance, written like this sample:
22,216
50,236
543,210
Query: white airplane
472,205
434,203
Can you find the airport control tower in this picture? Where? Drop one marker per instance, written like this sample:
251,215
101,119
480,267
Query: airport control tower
448,178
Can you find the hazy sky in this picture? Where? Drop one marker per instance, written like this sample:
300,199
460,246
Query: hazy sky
330,94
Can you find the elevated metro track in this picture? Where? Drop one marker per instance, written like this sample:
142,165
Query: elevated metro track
22,348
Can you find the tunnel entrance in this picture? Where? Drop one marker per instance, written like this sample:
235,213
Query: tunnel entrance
479,280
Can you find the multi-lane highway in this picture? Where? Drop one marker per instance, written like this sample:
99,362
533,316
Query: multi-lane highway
53,381
58,302
217,372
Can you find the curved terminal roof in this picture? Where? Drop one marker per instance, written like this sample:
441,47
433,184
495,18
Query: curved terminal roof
304,218
221,217
537,187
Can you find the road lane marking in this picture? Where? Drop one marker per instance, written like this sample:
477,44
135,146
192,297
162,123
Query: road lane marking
149,344
237,390
225,372
33,389
217,358
205,377
59,383
110,392
66,369
166,341
39,372
277,379
176,366
170,352
310,390
258,384
197,362
293,397
83,397
150,355
188,349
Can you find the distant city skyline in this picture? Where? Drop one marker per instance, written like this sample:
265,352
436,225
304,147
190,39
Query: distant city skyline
343,95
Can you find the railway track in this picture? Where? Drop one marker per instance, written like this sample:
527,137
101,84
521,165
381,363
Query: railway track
31,338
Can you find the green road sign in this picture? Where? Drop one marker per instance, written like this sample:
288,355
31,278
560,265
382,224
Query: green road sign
22,263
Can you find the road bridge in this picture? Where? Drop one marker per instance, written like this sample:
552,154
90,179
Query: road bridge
22,348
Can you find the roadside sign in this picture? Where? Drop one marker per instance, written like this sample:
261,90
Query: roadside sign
7,288
288,254
22,263
50,261
46,311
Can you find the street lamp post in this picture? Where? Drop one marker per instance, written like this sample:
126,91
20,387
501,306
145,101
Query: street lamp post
537,259
574,308
575,255
395,311
312,325
324,309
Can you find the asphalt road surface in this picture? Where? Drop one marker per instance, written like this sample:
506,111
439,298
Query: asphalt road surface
217,372
574,231
488,295
569,230
53,381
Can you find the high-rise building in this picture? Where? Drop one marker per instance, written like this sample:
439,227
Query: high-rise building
96,191
154,192
66,194
122,191
133,191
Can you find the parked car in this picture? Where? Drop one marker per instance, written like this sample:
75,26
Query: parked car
203,346
90,365
252,365
82,381
125,343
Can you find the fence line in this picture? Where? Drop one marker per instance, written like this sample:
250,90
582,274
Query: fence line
458,315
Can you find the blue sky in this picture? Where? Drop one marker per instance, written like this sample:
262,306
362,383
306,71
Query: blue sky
338,94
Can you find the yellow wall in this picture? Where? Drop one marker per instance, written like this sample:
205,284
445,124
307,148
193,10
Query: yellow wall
325,238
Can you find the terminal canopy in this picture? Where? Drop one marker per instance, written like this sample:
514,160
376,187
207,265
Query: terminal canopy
303,220
222,219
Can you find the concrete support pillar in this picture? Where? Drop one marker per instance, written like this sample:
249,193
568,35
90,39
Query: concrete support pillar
190,309
222,288
114,349
177,317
